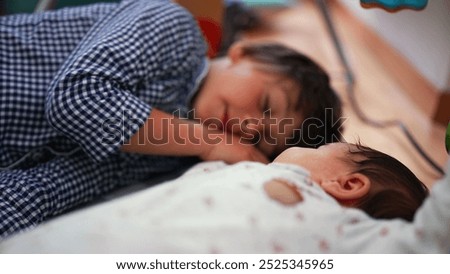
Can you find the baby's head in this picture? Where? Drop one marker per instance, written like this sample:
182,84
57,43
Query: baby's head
361,177
272,95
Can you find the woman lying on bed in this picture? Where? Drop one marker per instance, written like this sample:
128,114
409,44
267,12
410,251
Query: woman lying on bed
255,208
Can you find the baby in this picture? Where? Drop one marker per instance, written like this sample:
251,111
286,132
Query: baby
356,176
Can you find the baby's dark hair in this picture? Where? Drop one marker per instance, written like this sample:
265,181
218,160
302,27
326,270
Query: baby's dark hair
395,191
319,103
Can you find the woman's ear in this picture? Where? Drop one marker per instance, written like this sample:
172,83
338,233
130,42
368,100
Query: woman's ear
236,51
348,187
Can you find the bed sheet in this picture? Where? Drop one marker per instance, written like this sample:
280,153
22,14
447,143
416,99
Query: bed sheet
218,208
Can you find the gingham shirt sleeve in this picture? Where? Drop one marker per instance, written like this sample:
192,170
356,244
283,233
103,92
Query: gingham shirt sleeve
94,99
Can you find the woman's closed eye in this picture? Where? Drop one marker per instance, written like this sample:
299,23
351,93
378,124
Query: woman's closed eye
265,103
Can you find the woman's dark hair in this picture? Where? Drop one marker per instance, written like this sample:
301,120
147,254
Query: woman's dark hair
318,103
395,191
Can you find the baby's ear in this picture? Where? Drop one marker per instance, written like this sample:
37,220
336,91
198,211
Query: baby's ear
236,51
283,191
348,187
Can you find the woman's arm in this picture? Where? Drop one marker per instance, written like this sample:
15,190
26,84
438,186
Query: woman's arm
109,85
164,134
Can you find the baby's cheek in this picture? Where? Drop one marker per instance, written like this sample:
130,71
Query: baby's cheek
283,191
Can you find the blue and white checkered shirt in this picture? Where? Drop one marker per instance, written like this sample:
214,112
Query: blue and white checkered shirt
66,75
88,77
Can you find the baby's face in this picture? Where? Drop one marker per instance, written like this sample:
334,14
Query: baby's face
324,163
252,102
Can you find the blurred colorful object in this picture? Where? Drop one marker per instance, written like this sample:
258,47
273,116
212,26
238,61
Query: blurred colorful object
209,16
212,32
394,5
267,3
